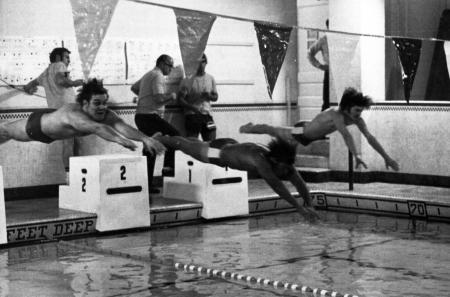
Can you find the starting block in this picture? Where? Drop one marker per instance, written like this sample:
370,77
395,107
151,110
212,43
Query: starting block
115,187
3,237
222,191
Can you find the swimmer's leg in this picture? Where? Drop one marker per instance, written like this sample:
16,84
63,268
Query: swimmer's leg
14,130
192,147
280,132
68,150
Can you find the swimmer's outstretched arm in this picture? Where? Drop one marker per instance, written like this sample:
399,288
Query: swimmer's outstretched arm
284,133
265,171
108,133
84,125
31,87
151,145
339,123
303,190
389,162
301,186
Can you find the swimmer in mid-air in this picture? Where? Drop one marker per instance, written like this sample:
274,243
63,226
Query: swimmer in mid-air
349,112
273,163
90,115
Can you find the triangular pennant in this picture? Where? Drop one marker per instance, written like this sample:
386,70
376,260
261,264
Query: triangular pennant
193,33
409,55
91,20
345,63
273,42
438,87
447,53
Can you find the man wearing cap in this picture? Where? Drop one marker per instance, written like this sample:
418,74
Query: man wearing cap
195,95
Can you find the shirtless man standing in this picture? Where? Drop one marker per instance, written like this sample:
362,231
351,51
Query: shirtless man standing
349,112
89,115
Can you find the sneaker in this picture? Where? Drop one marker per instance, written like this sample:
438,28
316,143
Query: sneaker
168,171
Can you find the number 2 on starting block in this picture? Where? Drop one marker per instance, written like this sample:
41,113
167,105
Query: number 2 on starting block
120,176
113,186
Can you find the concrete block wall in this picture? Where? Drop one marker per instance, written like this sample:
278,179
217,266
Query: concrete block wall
416,136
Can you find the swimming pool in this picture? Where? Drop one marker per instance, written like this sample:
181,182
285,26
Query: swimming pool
349,253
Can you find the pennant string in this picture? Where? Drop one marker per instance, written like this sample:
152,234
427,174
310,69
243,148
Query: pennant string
293,26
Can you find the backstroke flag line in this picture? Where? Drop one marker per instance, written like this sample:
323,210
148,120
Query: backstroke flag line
91,20
193,33
273,42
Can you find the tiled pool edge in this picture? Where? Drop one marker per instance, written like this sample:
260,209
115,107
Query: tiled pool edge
165,216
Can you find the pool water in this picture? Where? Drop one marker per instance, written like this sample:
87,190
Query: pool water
349,253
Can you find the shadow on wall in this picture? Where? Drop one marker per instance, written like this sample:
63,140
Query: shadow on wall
438,87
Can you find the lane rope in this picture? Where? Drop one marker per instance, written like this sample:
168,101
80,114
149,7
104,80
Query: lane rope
260,281
210,272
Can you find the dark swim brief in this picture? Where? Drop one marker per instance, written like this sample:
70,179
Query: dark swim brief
33,127
302,139
297,134
221,142
215,147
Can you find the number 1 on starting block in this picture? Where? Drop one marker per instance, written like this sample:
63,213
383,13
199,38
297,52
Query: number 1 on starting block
222,191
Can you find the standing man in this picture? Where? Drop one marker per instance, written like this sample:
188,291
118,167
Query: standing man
58,88
196,94
56,80
152,98
321,45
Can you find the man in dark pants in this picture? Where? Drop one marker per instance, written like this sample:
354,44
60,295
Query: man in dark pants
321,45
195,95
152,98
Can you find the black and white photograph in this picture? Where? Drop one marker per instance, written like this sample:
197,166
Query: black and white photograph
250,148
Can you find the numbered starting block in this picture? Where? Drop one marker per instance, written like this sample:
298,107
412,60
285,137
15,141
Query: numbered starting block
115,187
223,192
3,237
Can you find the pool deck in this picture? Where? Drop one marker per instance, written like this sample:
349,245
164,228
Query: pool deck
41,219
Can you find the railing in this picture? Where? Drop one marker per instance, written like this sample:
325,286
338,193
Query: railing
350,171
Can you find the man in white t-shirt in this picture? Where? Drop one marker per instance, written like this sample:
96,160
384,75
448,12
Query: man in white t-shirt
153,97
58,90
56,80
